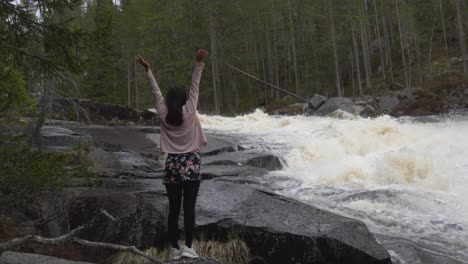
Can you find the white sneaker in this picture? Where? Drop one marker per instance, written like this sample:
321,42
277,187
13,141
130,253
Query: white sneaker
175,254
189,252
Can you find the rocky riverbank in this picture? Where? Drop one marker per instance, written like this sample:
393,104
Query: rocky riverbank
417,103
232,203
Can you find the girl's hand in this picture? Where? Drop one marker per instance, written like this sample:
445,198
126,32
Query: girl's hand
142,61
201,55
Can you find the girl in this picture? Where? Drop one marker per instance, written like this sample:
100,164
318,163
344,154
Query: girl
181,137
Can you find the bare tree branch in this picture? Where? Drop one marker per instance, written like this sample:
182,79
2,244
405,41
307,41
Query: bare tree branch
130,249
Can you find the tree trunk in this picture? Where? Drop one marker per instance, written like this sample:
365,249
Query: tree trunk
418,60
269,59
128,81
249,85
417,50
409,56
430,49
379,38
356,60
442,18
265,87
335,54
351,60
388,48
461,35
214,71
136,86
365,53
296,78
275,52
36,137
402,47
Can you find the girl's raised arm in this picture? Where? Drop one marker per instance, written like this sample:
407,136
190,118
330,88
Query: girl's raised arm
196,76
158,97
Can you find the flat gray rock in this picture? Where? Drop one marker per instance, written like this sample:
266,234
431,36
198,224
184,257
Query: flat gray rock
117,163
122,138
214,171
54,131
10,257
240,158
218,144
59,136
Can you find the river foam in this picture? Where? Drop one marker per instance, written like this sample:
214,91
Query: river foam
403,177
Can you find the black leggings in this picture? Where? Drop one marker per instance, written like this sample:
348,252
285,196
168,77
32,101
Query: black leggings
189,189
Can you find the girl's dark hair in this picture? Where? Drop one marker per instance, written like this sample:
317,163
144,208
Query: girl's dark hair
176,97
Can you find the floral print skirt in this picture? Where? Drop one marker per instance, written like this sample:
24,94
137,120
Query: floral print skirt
182,167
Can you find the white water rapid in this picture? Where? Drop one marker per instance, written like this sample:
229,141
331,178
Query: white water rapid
403,177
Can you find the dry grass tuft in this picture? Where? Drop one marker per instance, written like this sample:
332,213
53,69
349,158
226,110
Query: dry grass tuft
233,251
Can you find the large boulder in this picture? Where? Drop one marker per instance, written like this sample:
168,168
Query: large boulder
314,103
339,103
283,230
136,223
275,228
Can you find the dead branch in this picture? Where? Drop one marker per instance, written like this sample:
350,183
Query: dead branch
269,84
70,237
130,249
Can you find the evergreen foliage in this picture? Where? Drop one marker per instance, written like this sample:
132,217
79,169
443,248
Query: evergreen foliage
316,46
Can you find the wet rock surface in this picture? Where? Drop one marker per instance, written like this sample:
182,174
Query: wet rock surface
59,136
231,202
283,230
405,251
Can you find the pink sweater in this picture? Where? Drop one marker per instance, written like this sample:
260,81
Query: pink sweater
189,136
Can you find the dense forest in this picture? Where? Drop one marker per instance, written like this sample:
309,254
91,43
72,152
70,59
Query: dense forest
85,48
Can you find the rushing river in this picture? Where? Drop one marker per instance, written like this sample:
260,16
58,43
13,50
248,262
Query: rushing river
404,177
